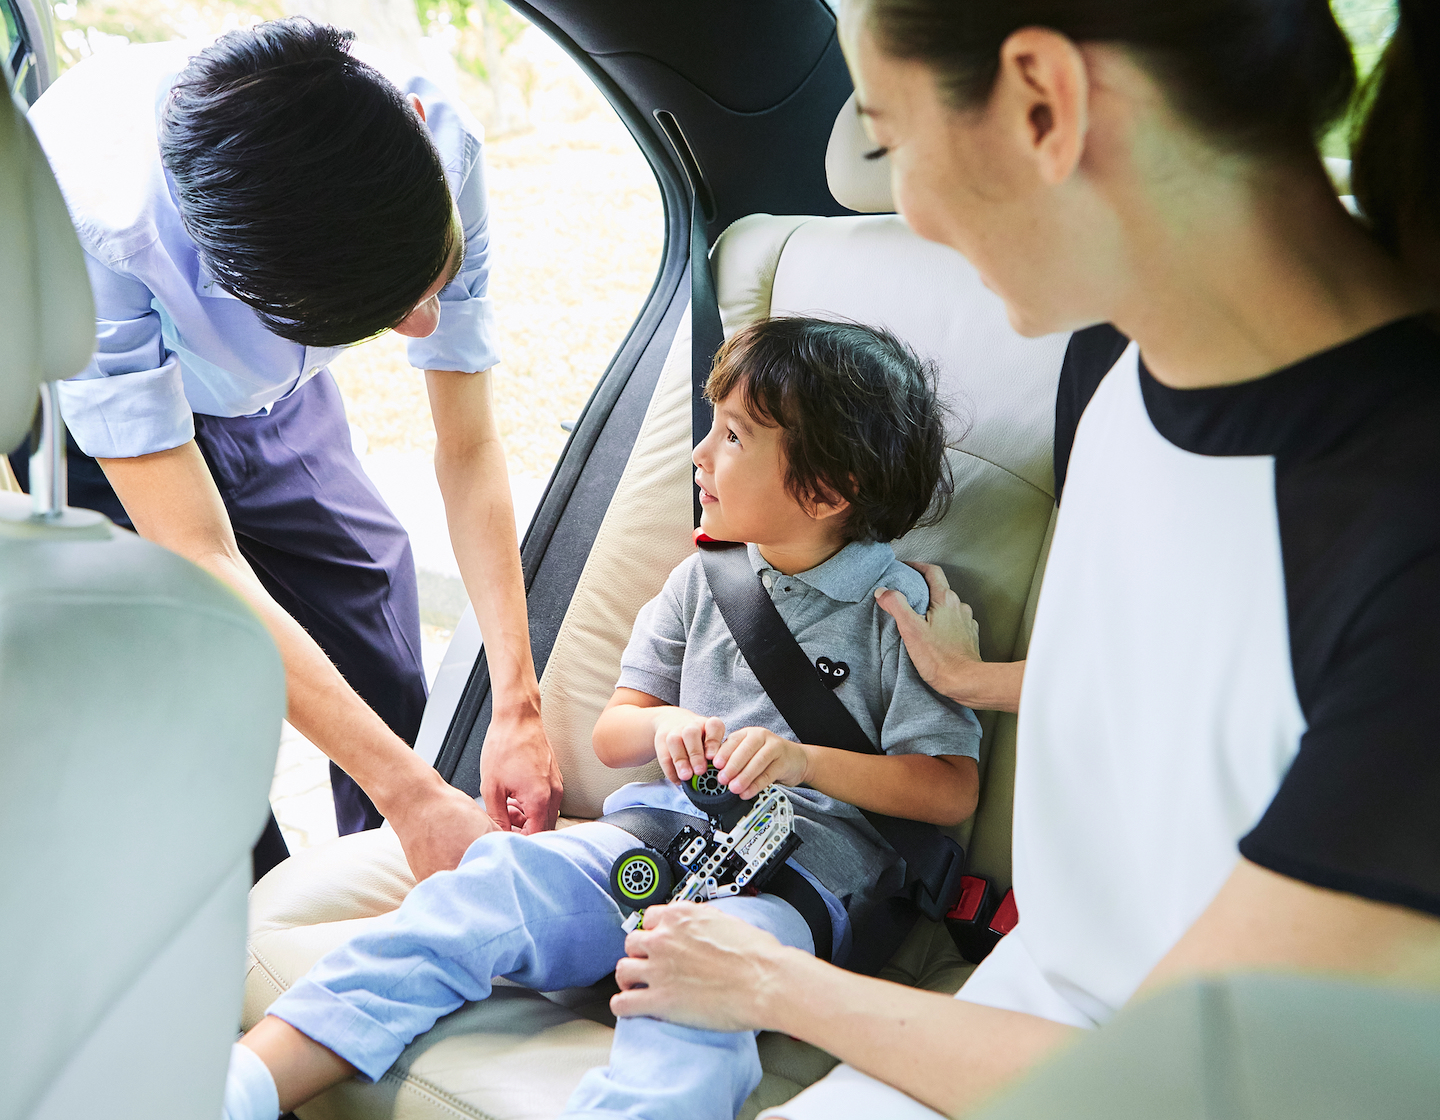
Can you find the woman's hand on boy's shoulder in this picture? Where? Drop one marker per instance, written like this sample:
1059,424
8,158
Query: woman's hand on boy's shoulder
944,647
943,642
685,742
754,757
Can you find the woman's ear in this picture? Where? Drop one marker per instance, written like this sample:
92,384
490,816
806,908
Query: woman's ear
1043,90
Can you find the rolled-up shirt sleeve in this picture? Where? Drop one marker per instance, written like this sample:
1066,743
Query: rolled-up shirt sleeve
465,340
130,399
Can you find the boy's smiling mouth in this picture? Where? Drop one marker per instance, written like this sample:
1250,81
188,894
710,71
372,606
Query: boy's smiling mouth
705,495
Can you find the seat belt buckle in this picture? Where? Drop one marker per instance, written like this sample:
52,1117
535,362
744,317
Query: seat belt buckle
934,904
979,920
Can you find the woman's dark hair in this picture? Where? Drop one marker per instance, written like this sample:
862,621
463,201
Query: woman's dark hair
1259,76
312,190
859,414
1396,146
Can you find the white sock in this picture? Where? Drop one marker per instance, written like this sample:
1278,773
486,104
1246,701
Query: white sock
250,1092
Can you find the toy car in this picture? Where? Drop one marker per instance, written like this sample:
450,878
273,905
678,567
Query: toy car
739,850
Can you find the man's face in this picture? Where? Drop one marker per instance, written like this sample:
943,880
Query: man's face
425,316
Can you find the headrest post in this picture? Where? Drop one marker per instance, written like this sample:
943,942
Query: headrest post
48,478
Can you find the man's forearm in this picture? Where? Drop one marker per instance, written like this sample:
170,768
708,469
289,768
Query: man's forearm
475,484
947,1053
322,706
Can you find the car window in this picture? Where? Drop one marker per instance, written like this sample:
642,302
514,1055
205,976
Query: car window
576,230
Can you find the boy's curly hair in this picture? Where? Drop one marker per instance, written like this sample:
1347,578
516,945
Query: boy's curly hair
859,413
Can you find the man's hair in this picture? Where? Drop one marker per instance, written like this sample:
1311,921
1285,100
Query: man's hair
859,416
311,188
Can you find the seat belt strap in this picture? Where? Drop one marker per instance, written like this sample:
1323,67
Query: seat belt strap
655,828
658,828
706,333
934,863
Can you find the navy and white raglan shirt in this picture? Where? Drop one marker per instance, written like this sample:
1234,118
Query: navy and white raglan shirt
1236,653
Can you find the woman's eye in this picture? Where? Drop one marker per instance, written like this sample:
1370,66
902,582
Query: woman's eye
878,153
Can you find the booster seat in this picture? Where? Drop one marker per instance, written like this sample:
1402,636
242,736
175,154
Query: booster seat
520,1053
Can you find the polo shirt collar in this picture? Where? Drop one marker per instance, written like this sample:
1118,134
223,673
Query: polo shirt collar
847,577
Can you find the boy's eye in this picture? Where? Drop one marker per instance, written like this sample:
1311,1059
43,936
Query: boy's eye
730,436
878,153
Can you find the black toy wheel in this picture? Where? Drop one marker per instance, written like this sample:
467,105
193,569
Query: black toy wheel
708,795
640,878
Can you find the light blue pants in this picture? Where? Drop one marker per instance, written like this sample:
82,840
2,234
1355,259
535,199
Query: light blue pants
536,910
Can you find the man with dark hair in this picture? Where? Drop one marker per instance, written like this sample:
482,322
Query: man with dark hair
246,212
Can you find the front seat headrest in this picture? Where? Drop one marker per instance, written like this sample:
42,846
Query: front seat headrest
859,183
47,317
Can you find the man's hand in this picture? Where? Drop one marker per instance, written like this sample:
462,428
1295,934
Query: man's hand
945,647
436,823
694,965
754,758
685,743
519,779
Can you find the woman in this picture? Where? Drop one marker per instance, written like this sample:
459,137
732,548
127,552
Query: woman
1225,708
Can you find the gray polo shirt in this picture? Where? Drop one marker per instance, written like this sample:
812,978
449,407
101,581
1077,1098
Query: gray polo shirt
681,652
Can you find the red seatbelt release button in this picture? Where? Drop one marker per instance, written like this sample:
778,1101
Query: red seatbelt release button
1006,915
973,890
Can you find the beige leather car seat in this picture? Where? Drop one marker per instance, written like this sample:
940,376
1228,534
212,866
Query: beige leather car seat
140,707
519,1054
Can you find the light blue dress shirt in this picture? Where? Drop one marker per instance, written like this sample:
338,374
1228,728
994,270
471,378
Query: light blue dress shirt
170,341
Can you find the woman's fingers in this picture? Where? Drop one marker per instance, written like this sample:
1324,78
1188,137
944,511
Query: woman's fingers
934,576
694,965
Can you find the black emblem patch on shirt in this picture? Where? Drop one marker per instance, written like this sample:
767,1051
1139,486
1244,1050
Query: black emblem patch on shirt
833,673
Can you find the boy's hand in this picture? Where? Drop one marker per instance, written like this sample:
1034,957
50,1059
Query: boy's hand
685,743
754,758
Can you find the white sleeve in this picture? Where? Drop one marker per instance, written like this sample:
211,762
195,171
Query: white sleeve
1010,979
847,1094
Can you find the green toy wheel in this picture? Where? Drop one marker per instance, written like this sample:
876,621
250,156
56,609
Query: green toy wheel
640,878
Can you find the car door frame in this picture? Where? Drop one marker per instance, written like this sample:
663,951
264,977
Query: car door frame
30,63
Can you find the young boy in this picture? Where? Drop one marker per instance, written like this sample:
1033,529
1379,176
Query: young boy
827,442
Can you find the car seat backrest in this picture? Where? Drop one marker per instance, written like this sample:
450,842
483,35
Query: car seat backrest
1000,387
141,704
49,320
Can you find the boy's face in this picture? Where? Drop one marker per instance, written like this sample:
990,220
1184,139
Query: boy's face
740,469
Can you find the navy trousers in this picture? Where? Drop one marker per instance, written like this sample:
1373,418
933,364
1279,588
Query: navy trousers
324,544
